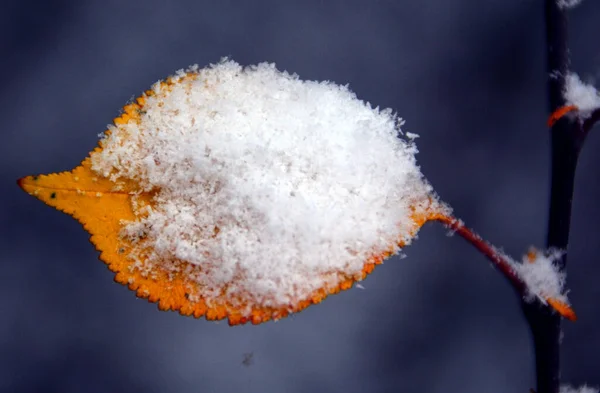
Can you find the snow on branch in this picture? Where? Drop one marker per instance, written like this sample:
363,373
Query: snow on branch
581,389
582,95
542,277
568,3
581,98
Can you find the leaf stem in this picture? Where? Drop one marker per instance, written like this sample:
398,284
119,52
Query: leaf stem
501,261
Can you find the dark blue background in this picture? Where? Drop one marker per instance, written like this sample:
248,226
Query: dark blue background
468,76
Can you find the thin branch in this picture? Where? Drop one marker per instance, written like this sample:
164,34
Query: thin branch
500,261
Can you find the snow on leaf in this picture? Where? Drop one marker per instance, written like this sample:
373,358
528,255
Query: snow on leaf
245,193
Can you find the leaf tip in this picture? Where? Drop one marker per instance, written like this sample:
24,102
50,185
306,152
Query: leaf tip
563,309
26,183
560,113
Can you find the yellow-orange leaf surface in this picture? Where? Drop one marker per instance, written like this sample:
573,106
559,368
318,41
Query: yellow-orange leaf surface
92,200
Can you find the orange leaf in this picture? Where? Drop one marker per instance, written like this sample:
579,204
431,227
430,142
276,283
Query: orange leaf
91,200
559,113
563,309
95,203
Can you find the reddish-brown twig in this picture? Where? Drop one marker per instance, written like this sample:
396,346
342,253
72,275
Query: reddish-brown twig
500,261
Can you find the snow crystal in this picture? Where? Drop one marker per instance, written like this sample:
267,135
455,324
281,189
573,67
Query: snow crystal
584,96
270,184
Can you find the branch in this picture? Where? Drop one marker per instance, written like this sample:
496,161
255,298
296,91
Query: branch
591,121
566,141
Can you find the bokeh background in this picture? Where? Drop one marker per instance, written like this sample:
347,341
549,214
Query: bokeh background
468,76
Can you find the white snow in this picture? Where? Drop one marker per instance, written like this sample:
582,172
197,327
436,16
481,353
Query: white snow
542,276
272,186
582,389
584,96
568,3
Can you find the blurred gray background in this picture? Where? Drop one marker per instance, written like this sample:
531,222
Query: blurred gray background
468,76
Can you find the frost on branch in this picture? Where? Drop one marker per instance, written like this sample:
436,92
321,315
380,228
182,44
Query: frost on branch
266,188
